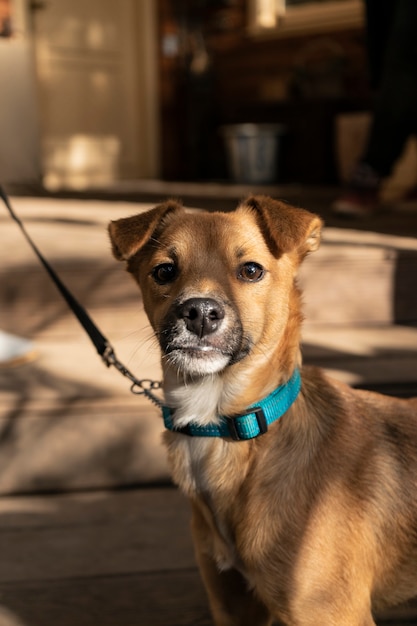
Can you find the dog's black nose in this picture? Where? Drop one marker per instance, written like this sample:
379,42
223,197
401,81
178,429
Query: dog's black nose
202,316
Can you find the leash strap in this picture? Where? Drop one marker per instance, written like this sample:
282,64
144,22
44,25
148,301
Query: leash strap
99,340
252,423
101,343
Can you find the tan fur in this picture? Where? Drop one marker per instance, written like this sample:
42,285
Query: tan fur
315,522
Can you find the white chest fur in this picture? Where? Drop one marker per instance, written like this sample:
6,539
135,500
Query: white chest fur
196,402
199,464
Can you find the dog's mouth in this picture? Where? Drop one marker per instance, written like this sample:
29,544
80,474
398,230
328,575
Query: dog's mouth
203,358
190,355
200,351
197,360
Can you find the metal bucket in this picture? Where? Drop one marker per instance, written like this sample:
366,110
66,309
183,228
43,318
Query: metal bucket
253,151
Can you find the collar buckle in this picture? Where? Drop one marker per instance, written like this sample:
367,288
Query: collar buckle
259,414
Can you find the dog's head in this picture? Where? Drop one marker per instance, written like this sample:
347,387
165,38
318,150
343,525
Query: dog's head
217,287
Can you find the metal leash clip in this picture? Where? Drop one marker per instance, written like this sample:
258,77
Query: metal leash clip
143,387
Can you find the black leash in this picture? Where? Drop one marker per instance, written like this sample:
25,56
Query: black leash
103,346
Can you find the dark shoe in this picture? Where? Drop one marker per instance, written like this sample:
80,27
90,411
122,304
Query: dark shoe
355,203
409,201
361,197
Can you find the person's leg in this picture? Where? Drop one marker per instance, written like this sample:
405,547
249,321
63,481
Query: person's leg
395,114
393,66
379,16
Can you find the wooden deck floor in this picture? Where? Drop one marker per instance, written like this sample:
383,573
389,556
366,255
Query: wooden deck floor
99,559
105,558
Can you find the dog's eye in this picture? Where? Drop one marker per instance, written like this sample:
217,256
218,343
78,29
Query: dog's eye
164,273
251,272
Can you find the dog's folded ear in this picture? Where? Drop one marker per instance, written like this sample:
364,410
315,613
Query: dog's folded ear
285,227
128,235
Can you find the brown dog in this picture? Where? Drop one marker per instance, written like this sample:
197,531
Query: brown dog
304,510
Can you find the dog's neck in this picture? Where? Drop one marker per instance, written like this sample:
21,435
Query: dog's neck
203,400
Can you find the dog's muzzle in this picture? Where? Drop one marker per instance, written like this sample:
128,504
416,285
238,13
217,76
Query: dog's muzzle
202,336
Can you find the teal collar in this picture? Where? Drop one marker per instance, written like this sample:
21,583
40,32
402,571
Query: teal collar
248,425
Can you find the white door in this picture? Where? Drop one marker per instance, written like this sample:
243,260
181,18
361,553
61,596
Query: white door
19,145
97,89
